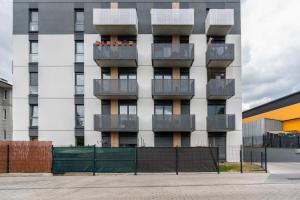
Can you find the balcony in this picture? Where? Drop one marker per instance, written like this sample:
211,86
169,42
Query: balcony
219,22
173,123
219,55
116,55
172,55
115,89
220,89
221,123
115,21
173,89
116,123
172,21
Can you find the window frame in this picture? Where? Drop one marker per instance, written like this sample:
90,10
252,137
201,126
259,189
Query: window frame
77,86
79,57
31,22
4,117
76,23
32,115
78,116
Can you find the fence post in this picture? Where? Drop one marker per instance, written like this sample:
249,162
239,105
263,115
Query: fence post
176,154
7,158
218,161
261,159
136,161
251,157
298,141
266,160
94,159
241,160
52,163
252,141
280,141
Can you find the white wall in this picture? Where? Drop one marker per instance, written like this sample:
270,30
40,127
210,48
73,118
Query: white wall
56,90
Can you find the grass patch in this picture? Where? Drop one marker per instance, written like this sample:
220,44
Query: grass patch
235,167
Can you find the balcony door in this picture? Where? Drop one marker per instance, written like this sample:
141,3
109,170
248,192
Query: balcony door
127,112
163,109
105,75
126,82
163,81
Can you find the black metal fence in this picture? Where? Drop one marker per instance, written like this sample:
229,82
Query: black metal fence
253,156
133,160
272,140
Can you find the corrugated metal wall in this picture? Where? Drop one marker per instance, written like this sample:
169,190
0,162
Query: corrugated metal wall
260,127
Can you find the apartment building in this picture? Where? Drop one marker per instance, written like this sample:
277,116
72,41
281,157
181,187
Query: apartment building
5,110
128,73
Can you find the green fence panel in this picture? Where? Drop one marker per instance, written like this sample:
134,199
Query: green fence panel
72,159
115,160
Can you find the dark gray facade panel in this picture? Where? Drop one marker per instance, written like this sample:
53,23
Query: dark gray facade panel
33,36
78,99
79,67
20,18
79,36
33,132
33,67
144,18
58,18
33,99
79,132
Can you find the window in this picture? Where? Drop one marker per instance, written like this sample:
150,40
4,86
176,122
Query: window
33,20
79,140
126,83
4,94
79,83
33,54
216,110
4,114
79,49
127,109
33,116
163,108
79,116
79,20
33,83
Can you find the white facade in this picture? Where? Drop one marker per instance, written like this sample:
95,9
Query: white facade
56,86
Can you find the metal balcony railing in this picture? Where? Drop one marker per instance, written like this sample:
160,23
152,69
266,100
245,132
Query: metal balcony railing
115,21
220,88
219,55
116,88
172,55
116,123
116,55
173,89
221,123
173,123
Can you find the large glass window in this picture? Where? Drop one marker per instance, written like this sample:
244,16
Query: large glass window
127,109
33,20
125,84
216,110
79,83
79,20
33,52
79,52
33,83
163,109
79,116
33,116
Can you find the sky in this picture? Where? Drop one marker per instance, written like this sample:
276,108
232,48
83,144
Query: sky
270,48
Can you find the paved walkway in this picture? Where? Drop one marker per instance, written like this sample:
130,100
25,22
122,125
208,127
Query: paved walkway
152,186
284,168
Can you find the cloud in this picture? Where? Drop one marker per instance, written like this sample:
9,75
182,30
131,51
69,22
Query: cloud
270,48
6,39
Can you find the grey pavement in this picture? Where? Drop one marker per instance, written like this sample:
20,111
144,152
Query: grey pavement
152,186
284,167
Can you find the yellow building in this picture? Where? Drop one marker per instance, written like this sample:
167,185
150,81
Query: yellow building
285,109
